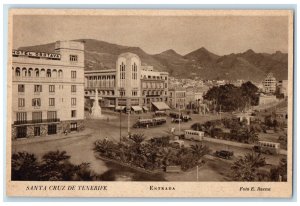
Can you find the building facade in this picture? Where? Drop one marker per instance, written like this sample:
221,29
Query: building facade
269,83
129,84
48,90
282,86
177,98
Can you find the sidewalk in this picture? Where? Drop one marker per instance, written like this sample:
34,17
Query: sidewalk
47,138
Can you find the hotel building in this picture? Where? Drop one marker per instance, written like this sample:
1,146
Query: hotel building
48,90
130,84
269,83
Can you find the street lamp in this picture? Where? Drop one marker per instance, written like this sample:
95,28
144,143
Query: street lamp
121,95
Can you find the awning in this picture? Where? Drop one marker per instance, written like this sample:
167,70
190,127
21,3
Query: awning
136,108
145,108
160,105
120,107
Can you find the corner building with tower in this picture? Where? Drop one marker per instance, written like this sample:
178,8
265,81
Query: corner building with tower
47,90
130,85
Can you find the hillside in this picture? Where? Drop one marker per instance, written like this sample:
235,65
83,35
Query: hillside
199,63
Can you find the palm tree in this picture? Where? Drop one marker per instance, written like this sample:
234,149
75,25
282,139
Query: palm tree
199,150
245,168
137,138
105,147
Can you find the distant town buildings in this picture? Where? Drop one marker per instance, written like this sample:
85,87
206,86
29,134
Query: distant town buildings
47,90
177,98
269,83
130,84
282,86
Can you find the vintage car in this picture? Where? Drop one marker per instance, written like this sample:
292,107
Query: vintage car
224,154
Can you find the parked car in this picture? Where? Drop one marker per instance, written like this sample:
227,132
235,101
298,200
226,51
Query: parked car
177,143
224,154
177,121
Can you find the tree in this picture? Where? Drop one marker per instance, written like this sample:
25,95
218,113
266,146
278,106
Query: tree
137,138
246,168
280,170
199,150
250,136
24,166
55,166
250,93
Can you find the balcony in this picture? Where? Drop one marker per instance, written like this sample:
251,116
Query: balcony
36,121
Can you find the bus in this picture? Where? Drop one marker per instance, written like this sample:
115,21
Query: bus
267,147
193,135
159,120
145,123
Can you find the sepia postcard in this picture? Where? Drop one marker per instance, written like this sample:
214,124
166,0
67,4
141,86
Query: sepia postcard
150,103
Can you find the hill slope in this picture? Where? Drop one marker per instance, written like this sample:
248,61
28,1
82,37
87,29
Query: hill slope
199,63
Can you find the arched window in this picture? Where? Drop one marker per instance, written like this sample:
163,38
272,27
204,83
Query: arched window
24,72
37,72
54,73
48,72
60,73
18,72
134,71
30,71
122,74
42,72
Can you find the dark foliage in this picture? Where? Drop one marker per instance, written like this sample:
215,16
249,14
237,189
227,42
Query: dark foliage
55,166
230,98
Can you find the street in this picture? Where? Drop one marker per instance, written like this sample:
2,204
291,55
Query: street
80,147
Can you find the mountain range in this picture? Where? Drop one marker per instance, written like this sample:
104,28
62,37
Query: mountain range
200,63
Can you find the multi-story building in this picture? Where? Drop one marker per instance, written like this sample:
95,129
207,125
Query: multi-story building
48,90
269,83
130,84
177,98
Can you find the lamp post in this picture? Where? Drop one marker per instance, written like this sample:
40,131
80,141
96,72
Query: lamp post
121,95
128,118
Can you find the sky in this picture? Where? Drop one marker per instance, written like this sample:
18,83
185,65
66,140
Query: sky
155,34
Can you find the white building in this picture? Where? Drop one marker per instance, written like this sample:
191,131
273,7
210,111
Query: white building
269,83
48,90
130,84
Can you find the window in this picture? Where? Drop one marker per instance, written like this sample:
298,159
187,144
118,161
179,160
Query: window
18,72
73,58
134,71
21,117
48,73
73,113
21,88
73,74
51,88
37,88
21,102
37,72
21,132
51,116
134,93
51,102
122,93
36,102
74,126
52,129
73,88
73,101
37,131
37,117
